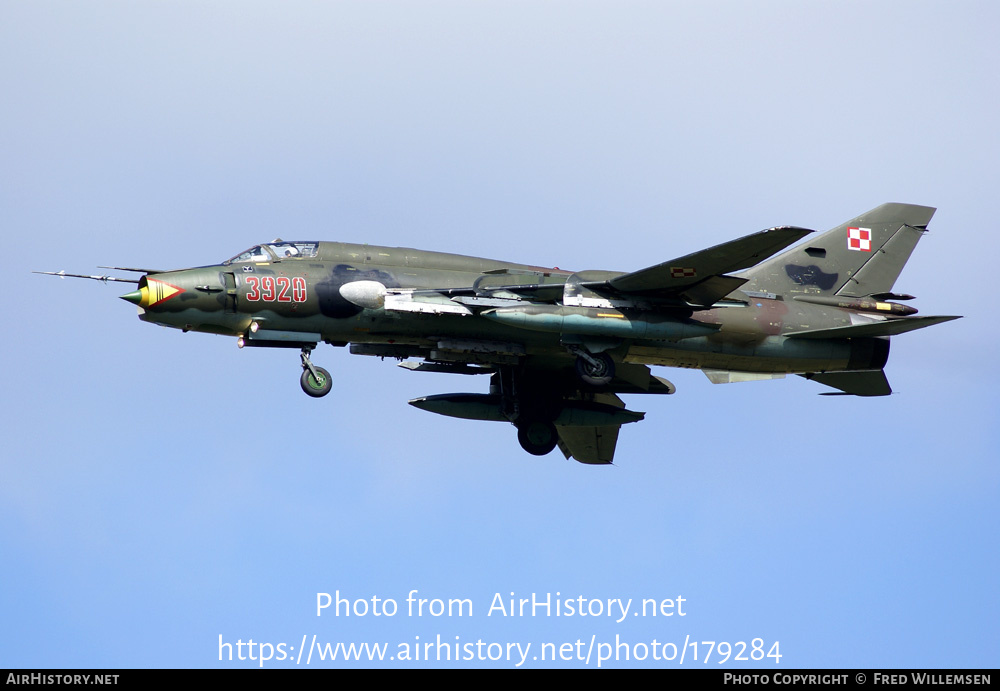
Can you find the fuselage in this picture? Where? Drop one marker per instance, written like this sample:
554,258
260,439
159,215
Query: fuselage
289,288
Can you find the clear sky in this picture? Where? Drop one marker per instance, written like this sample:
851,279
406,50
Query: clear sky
161,490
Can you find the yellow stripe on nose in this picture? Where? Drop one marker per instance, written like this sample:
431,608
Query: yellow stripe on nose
153,293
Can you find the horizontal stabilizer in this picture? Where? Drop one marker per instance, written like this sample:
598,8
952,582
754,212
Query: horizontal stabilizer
859,383
890,327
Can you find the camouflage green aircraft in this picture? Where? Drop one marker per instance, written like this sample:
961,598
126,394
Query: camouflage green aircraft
558,347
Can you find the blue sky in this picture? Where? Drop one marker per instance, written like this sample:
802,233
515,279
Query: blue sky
159,490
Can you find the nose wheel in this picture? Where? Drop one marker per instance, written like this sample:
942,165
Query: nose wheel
315,381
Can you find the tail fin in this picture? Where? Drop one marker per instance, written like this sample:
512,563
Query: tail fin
863,256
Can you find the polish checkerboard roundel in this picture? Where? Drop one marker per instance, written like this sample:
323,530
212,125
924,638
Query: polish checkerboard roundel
859,239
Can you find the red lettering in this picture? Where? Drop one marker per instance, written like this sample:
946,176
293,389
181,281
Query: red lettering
267,289
270,289
252,284
283,285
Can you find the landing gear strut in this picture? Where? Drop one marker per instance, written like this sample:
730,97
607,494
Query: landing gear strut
315,381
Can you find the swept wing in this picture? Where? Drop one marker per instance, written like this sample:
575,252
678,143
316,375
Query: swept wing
701,277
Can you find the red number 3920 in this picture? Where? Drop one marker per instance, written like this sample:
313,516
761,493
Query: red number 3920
275,289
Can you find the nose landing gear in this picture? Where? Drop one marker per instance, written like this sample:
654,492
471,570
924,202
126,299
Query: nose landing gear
315,381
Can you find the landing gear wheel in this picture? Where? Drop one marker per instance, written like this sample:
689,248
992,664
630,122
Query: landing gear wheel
316,386
537,438
597,373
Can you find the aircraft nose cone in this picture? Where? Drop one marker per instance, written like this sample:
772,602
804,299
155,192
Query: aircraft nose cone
135,297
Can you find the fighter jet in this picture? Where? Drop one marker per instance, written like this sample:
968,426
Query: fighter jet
556,347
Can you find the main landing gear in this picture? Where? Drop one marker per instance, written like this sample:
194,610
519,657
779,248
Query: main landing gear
315,381
594,369
538,437
532,405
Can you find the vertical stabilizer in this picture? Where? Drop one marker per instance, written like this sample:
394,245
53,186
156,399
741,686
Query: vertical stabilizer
863,256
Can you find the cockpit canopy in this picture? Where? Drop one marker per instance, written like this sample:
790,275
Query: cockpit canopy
277,250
